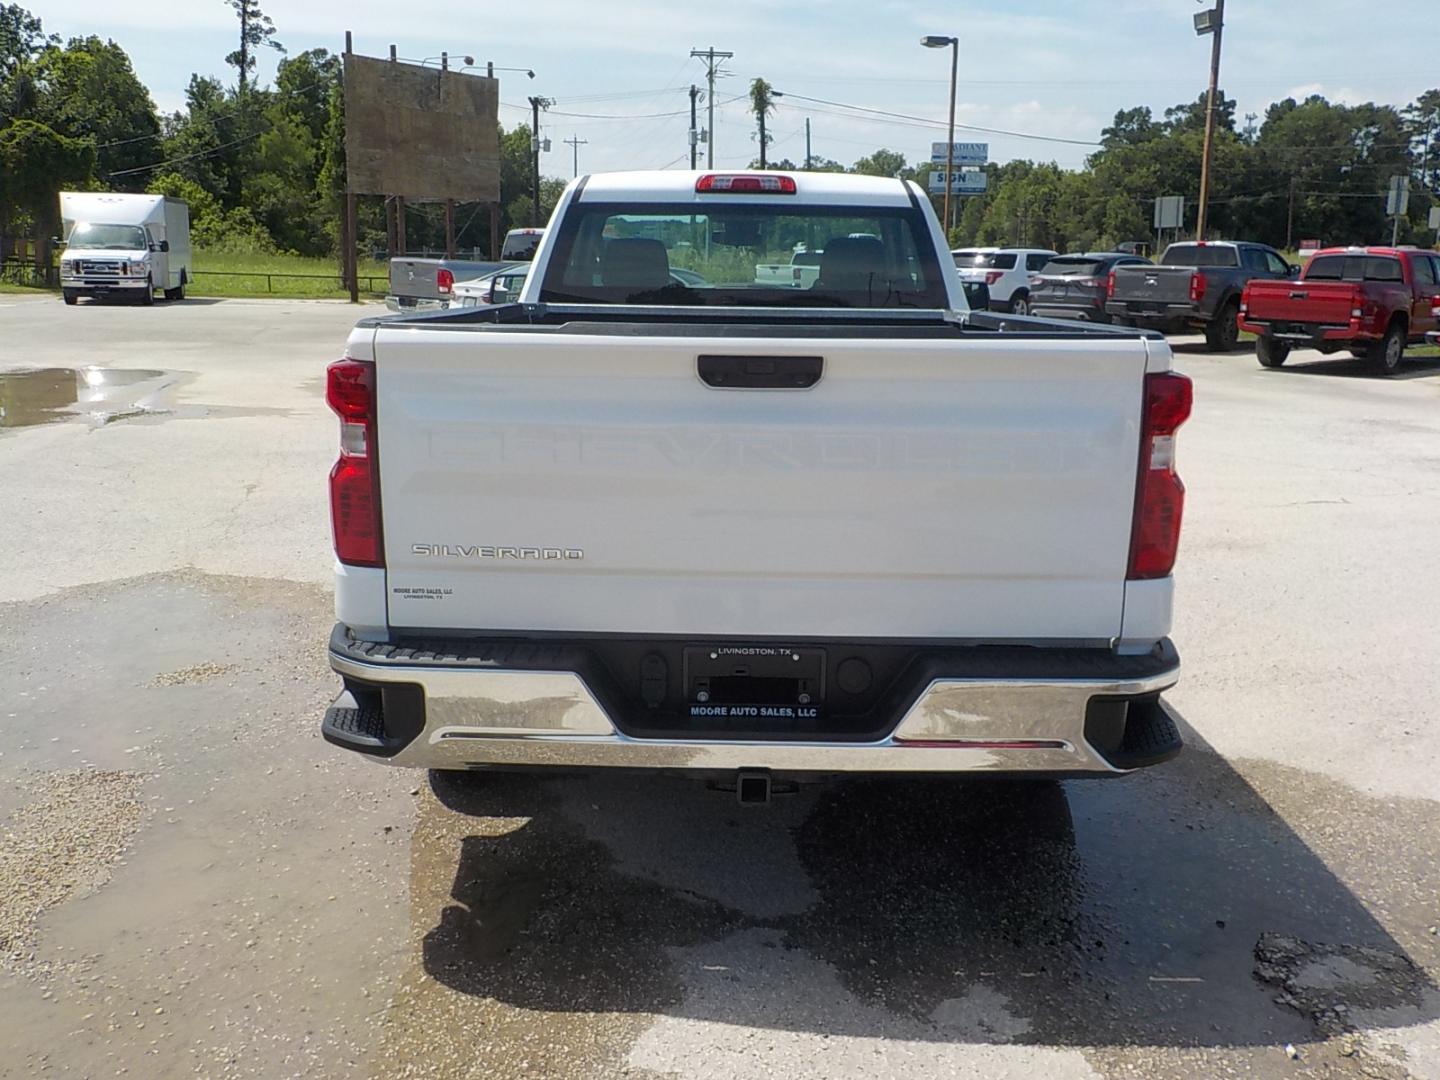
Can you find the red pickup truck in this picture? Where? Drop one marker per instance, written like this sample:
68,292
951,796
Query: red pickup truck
1373,301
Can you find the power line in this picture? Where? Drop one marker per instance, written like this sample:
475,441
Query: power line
926,122
187,157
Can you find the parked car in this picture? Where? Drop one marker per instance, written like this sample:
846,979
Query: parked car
622,523
1373,301
1196,286
1074,286
497,287
126,244
1005,272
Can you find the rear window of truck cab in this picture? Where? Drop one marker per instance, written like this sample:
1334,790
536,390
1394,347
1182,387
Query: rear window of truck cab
683,255
1200,255
1354,268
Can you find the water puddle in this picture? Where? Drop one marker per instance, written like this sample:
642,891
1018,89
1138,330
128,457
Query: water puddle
50,395
102,396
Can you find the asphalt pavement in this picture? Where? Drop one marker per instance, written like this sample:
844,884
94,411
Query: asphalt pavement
193,883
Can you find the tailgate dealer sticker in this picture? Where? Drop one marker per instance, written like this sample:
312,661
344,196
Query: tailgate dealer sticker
779,712
421,594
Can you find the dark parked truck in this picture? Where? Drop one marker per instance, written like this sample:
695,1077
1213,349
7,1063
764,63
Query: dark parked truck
1196,286
1371,301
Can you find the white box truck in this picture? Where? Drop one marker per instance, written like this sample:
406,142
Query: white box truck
123,243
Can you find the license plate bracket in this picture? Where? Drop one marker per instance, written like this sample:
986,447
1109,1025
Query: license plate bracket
754,683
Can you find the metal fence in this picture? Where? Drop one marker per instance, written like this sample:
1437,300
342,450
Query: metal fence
334,281
16,271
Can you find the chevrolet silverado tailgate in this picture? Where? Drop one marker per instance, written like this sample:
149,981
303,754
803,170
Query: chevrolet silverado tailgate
955,487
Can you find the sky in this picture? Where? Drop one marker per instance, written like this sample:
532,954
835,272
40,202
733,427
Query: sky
1053,72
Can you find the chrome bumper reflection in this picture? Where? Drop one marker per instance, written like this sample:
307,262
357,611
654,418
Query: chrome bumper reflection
505,717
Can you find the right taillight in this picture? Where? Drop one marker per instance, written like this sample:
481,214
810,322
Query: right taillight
1110,285
355,479
1197,287
1159,494
444,282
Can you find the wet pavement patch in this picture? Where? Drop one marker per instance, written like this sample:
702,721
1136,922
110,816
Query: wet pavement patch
48,395
102,396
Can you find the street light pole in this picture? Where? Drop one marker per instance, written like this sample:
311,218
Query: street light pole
1209,22
937,41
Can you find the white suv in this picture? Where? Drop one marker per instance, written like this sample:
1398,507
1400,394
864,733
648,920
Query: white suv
1004,271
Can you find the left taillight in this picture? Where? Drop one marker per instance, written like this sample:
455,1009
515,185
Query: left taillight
355,479
1159,494
444,282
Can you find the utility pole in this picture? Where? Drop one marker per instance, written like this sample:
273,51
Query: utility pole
575,142
807,144
712,60
536,104
1215,28
694,135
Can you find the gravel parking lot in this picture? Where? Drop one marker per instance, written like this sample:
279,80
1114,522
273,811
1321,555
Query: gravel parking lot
193,883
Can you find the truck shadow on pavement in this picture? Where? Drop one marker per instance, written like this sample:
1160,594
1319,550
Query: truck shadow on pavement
1170,908
1415,367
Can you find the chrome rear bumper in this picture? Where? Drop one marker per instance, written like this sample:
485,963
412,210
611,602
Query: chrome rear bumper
443,715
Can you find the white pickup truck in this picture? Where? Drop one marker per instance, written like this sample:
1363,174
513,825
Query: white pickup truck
753,533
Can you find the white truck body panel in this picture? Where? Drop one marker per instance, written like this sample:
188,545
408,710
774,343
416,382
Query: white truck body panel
973,490
163,219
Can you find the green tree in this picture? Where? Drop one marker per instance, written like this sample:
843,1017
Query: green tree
88,89
35,165
881,163
257,31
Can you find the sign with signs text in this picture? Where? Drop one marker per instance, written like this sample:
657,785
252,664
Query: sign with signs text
966,182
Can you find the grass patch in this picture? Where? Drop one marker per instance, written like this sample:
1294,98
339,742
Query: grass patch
279,276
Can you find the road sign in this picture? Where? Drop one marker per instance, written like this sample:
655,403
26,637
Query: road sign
1397,196
966,153
1435,217
967,182
1169,211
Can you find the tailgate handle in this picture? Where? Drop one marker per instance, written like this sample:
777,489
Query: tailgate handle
760,372
1299,296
